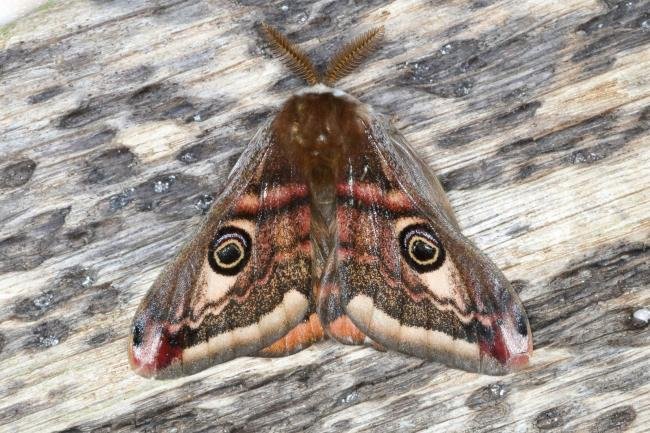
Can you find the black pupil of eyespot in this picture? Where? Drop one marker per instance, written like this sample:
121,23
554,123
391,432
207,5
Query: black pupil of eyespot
422,250
229,254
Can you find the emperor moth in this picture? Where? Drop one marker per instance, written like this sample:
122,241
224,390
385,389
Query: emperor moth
329,226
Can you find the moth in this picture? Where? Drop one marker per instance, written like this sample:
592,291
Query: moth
330,226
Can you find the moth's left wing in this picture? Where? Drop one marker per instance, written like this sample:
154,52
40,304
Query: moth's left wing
242,285
403,273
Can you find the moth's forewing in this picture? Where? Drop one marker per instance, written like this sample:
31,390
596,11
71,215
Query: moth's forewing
244,280
406,276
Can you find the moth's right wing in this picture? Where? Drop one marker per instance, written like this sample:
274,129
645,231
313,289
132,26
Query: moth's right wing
402,275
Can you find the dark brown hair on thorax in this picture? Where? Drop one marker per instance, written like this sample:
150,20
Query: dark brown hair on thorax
341,64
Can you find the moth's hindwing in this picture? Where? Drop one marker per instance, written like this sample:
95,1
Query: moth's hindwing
308,331
242,283
404,274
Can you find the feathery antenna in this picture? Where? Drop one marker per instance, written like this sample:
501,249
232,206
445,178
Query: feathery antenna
343,62
296,59
351,55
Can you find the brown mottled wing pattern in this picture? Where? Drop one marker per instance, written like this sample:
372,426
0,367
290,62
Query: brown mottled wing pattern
243,283
403,274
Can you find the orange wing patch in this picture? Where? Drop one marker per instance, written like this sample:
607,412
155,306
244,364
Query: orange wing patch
342,329
303,335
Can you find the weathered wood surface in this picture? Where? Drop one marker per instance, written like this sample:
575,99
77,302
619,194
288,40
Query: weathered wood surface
120,119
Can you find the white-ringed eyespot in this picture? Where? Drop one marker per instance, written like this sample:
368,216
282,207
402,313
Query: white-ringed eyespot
421,248
229,251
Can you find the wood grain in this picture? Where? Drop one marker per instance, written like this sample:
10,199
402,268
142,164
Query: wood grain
119,121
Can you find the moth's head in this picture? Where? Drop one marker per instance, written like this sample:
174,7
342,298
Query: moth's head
340,65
